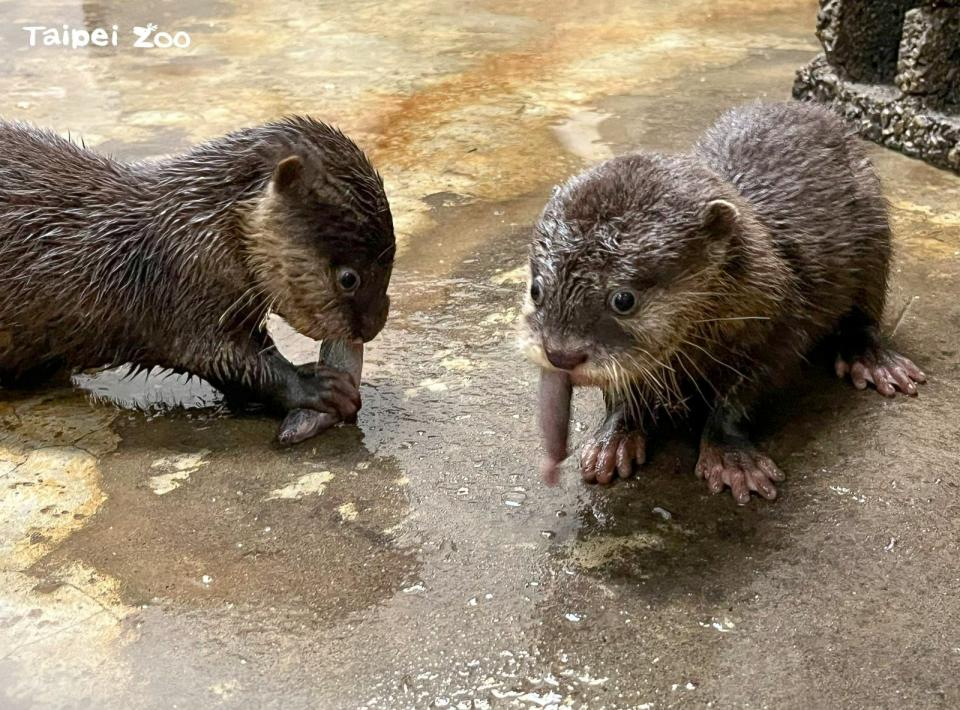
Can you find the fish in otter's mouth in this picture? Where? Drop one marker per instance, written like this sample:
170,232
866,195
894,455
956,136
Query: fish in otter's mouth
302,424
555,391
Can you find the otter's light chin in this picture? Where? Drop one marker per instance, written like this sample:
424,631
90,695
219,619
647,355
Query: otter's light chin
531,349
588,375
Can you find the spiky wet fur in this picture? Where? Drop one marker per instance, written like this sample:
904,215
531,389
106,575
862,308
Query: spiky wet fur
174,263
725,314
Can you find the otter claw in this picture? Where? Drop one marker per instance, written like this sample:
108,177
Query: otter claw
332,391
611,455
886,370
741,468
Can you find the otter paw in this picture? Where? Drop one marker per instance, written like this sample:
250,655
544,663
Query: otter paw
326,390
741,468
887,370
611,453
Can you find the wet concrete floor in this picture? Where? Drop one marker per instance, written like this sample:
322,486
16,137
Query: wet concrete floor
157,551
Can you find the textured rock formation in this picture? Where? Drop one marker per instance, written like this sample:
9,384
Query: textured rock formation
892,67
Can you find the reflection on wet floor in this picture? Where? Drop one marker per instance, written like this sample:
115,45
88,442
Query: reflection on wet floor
153,391
215,526
157,549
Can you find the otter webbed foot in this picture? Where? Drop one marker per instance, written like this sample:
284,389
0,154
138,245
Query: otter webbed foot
612,452
740,467
882,367
729,460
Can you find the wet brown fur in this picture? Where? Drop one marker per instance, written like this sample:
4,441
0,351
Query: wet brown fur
770,236
175,263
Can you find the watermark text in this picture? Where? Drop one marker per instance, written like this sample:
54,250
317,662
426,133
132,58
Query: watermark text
149,36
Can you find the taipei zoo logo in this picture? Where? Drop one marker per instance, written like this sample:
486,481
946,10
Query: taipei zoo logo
149,36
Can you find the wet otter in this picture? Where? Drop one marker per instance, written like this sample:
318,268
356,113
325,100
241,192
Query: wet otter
175,263
673,281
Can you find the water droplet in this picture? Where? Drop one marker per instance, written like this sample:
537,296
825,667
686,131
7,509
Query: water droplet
514,498
662,512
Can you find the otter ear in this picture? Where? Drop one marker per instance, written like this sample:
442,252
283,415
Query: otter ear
720,218
288,175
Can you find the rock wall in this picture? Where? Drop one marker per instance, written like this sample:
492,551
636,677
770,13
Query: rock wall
892,68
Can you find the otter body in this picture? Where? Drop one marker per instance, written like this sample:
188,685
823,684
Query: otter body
702,280
176,263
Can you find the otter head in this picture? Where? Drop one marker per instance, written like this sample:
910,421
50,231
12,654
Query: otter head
320,239
626,259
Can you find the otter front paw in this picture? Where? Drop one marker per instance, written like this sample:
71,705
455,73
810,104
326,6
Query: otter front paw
740,467
612,451
885,369
325,390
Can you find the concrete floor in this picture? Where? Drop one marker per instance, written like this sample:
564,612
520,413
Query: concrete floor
158,552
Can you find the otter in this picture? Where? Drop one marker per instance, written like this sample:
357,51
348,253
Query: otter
176,263
700,282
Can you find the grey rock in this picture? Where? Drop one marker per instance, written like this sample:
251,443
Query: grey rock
892,69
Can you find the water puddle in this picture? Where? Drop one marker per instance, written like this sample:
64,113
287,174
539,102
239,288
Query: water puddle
579,134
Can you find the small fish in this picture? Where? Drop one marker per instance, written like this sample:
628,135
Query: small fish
302,424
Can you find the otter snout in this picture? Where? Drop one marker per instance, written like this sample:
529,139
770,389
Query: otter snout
370,324
564,358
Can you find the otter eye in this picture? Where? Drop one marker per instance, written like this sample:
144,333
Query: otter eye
536,291
623,302
348,279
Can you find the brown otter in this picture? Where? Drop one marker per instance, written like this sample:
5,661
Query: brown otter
175,263
673,281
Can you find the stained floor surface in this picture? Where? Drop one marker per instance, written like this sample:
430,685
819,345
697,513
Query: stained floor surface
157,551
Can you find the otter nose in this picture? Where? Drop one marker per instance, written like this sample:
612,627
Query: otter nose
372,323
565,359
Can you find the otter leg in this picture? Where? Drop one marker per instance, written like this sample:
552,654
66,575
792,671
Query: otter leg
866,359
52,372
729,459
324,389
272,379
617,446
29,361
